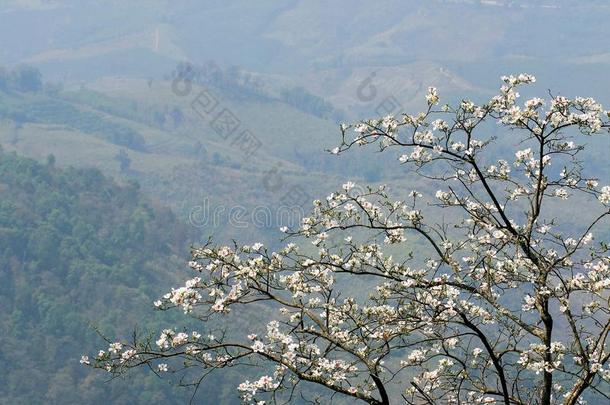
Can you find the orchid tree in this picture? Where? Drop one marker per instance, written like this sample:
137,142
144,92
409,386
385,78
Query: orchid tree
501,302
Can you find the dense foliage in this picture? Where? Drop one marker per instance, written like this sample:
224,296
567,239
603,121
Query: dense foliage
58,112
300,98
76,249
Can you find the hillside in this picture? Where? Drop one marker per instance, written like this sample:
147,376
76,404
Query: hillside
314,44
77,251
135,130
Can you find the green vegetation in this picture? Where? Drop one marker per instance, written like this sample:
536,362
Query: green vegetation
303,100
57,112
75,250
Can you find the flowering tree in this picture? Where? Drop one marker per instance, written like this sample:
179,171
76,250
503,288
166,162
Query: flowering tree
508,304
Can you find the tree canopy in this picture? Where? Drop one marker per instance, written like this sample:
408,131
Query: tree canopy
76,249
507,303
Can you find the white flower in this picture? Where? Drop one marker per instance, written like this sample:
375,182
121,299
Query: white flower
419,155
258,346
592,183
219,306
348,186
115,347
180,339
467,105
561,193
439,124
534,103
604,197
416,356
587,238
530,303
128,355
432,96
498,234
162,367
443,196
570,242
458,146
84,360
524,154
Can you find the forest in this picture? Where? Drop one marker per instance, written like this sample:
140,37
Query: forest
78,252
